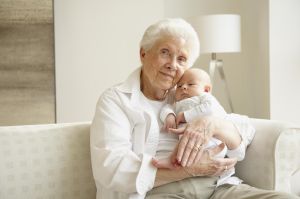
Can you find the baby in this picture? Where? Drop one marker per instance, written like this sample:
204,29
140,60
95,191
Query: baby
193,98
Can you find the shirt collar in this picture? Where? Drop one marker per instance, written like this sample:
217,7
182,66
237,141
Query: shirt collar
132,83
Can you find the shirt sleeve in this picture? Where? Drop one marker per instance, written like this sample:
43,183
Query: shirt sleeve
208,105
115,166
165,111
246,131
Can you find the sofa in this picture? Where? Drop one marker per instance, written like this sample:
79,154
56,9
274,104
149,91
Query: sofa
53,161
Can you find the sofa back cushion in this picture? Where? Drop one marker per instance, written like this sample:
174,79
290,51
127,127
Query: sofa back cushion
46,161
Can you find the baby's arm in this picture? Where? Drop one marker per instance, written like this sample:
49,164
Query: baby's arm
208,105
170,122
168,117
180,118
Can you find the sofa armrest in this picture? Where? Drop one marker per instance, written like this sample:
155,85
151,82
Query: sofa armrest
272,160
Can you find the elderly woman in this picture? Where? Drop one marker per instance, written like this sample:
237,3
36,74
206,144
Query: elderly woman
125,132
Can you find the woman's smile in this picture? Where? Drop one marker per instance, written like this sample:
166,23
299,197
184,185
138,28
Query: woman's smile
167,75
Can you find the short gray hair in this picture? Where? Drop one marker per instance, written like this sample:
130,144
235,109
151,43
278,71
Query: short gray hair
175,27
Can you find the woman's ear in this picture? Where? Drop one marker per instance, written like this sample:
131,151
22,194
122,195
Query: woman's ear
142,53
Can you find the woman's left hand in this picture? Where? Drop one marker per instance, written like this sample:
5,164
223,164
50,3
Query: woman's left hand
194,136
207,165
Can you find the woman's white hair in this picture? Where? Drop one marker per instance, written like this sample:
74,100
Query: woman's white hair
175,27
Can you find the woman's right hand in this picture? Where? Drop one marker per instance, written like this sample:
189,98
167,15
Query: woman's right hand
210,166
207,166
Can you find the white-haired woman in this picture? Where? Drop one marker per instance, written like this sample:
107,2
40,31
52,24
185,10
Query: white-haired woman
125,132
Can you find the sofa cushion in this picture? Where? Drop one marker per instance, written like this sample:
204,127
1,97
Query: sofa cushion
46,161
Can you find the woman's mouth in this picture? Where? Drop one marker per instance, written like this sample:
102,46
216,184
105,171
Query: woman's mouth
167,75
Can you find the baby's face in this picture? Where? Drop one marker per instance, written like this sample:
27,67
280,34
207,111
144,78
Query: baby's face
189,85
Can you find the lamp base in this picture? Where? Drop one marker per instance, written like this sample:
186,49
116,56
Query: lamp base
218,65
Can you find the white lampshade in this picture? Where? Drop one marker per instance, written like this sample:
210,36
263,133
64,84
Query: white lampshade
219,33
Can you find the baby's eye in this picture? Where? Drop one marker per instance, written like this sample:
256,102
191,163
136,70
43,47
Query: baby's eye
179,86
191,84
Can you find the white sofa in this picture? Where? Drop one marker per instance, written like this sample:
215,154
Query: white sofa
53,161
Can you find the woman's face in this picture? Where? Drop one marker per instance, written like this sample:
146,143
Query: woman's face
164,63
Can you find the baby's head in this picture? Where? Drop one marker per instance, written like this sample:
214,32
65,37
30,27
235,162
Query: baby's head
193,82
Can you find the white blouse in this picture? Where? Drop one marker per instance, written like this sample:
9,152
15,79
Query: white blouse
124,138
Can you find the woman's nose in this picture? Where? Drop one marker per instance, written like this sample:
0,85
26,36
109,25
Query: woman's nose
172,63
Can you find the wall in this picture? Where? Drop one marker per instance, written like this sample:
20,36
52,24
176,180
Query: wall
255,40
96,46
27,78
236,65
285,60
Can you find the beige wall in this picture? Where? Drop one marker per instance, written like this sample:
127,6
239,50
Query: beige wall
235,64
255,40
285,60
97,46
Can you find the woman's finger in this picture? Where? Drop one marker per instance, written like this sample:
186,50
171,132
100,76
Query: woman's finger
199,154
223,162
197,150
181,147
189,152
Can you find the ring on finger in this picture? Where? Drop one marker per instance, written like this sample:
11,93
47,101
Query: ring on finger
196,148
226,168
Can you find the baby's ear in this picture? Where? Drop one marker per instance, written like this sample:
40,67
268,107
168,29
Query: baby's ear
207,88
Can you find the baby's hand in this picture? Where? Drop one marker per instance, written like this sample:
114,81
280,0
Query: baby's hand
180,118
170,122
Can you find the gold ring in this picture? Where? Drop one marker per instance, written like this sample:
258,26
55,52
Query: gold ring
196,148
226,167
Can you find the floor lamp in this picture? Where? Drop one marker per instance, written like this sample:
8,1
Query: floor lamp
219,34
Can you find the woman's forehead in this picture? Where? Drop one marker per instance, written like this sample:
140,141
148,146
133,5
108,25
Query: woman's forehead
172,43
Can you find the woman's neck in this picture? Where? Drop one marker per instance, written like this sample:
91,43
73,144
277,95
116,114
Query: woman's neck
151,92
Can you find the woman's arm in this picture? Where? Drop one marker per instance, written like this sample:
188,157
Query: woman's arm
115,165
207,166
198,132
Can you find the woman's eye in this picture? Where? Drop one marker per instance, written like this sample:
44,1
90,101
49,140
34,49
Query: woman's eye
165,51
181,59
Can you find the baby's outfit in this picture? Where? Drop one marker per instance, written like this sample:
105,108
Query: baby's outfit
202,105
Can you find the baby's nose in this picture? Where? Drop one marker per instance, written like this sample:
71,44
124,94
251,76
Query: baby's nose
184,86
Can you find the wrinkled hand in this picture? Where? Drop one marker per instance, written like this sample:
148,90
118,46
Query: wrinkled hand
207,165
170,123
211,166
194,136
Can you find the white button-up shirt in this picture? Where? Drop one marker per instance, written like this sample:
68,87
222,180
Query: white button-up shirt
124,138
